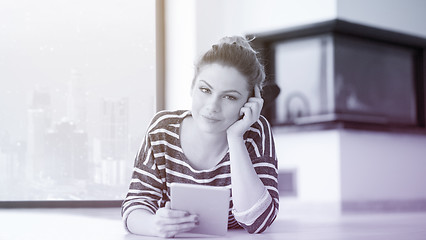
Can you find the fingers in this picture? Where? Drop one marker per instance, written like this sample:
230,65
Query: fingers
167,212
255,105
257,92
169,227
171,222
246,112
257,98
172,230
251,109
179,228
176,220
250,113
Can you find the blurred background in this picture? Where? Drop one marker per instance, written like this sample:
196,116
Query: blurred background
80,81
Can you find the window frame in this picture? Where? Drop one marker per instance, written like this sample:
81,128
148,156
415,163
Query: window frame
159,105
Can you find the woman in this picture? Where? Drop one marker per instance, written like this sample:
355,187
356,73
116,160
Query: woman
222,141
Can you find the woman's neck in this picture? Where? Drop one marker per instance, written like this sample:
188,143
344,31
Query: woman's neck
203,149
211,140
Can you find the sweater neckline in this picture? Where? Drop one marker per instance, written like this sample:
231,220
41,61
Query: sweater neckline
185,159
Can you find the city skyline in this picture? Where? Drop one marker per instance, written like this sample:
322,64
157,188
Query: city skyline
66,149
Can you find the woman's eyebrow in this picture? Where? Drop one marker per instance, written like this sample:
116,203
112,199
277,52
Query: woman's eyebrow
233,91
208,85
226,91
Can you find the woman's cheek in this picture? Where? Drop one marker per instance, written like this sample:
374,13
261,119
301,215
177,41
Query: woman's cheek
236,113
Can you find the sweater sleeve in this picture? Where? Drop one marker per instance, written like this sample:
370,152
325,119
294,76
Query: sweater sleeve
146,186
261,148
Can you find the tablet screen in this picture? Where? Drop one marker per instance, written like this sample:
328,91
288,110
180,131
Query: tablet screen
210,203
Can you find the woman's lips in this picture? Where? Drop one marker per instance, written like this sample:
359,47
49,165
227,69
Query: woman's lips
211,119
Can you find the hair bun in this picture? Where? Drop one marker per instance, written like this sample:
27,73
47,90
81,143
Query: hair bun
239,41
236,52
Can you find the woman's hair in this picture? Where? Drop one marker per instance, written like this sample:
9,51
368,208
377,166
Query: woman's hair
234,52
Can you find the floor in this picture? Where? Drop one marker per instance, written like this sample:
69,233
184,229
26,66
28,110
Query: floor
106,224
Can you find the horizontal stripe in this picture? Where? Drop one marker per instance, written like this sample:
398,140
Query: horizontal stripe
133,191
189,177
165,116
165,143
255,130
185,164
170,133
265,164
145,173
263,176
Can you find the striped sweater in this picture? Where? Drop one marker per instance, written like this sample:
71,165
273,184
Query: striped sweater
161,161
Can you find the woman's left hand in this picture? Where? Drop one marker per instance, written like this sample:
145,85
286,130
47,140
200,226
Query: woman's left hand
250,113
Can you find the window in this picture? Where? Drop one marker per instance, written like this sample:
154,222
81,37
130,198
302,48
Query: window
78,85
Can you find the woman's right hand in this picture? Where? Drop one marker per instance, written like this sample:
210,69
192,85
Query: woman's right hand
170,222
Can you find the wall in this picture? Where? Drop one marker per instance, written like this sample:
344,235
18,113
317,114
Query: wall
230,17
353,170
180,52
379,166
406,16
193,26
315,159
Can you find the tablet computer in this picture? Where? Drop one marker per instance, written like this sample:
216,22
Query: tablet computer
210,203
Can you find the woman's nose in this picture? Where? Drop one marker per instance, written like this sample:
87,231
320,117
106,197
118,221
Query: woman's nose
213,104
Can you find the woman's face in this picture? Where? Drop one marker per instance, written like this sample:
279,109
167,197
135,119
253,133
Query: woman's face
218,94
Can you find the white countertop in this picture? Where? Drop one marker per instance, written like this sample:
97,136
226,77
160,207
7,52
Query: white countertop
105,224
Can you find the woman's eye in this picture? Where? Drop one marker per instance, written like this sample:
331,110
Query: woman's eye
205,90
230,97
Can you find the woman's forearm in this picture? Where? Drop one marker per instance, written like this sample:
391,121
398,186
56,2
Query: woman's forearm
141,222
247,188
165,223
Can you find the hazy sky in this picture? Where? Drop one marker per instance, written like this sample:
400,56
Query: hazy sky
108,45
